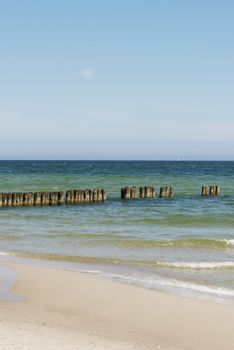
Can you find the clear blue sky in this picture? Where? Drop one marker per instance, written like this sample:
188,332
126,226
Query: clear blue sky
117,79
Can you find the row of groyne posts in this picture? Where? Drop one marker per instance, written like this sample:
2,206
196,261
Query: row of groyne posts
79,196
29,199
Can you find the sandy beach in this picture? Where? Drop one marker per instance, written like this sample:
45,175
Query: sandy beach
72,310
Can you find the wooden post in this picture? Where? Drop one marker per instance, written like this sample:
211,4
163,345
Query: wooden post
125,192
99,195
53,198
169,191
86,196
0,199
20,197
4,200
133,192
148,192
70,197
45,198
61,198
205,191
37,198
80,196
14,199
104,195
90,195
9,199
76,197
153,192
212,191
30,199
162,192
95,195
25,199
166,192
142,192
217,190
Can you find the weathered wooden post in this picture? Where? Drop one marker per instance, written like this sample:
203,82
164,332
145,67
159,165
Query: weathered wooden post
125,192
61,198
148,192
4,200
76,197
133,192
70,197
166,192
170,192
90,195
20,197
14,201
99,195
104,195
30,199
25,199
205,191
45,198
162,193
53,198
212,190
37,198
95,195
217,190
9,199
142,192
86,195
0,199
80,196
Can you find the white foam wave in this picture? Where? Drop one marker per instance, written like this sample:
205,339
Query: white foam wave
173,284
228,241
201,265
4,254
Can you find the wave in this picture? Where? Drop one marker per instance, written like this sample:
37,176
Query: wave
195,243
187,288
5,254
167,284
203,265
229,241
8,237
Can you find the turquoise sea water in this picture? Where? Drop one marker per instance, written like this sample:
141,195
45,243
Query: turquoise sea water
184,244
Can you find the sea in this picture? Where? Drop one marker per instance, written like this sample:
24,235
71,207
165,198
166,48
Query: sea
182,245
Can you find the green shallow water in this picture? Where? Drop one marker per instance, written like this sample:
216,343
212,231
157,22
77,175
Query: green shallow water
184,241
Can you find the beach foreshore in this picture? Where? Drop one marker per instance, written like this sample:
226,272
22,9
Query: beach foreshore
72,310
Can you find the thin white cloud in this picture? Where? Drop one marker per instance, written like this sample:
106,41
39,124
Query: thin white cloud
188,110
87,73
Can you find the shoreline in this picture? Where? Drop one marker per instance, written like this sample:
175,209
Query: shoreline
184,288
84,311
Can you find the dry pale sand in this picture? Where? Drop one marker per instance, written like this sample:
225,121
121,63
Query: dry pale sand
70,310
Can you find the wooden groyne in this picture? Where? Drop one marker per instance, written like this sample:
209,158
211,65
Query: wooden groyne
166,192
79,196
29,199
136,192
145,192
213,190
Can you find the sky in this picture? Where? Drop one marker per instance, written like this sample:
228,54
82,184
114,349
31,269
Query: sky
117,79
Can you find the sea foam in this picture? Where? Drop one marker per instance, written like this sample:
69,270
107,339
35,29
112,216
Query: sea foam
201,265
